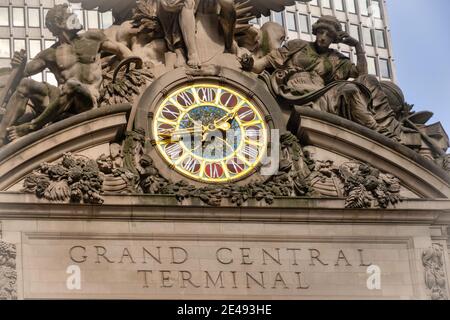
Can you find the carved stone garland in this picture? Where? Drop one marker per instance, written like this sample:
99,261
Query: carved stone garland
127,169
435,279
8,273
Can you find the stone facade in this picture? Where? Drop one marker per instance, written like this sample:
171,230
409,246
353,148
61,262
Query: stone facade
122,182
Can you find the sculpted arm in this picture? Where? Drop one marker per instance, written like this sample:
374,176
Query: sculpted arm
119,49
36,65
361,62
261,64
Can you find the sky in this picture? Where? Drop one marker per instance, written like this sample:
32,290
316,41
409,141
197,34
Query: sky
420,31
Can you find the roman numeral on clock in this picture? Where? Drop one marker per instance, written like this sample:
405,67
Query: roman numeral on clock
170,112
174,151
185,99
207,94
246,114
250,152
191,165
214,170
235,167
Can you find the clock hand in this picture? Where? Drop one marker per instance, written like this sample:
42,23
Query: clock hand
219,124
181,132
226,142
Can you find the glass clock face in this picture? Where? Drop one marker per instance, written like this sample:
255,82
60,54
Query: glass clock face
210,133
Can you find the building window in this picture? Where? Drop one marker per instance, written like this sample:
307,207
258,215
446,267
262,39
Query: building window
37,77
107,19
18,17
326,4
385,69
92,17
278,18
354,32
304,24
34,18
344,26
380,38
314,3
291,21
44,14
346,53
48,43
4,16
80,16
363,7
263,20
351,7
371,65
339,5
50,78
20,44
5,48
35,48
376,9
314,20
368,38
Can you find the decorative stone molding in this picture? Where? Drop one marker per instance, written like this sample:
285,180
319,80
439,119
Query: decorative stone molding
435,278
75,179
360,184
8,273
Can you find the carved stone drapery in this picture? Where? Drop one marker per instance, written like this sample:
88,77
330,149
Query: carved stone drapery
435,278
8,273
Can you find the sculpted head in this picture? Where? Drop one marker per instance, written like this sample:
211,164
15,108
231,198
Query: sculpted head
327,30
250,39
273,36
59,19
145,20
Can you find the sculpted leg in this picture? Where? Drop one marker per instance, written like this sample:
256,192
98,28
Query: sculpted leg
228,22
357,106
187,23
49,114
382,111
28,89
58,103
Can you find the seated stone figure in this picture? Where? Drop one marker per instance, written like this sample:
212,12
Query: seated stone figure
313,74
76,63
178,21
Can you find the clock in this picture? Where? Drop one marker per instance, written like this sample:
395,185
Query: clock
207,130
210,133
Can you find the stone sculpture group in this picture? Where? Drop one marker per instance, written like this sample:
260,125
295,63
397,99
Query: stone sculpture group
150,38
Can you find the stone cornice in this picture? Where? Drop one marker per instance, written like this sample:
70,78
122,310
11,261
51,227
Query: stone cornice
286,210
